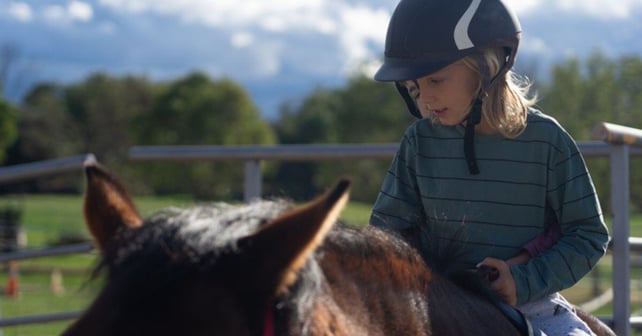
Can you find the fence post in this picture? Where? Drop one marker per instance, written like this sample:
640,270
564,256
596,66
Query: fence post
619,158
253,180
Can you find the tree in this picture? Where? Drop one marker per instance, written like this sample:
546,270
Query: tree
92,116
46,128
364,111
194,110
562,98
8,127
44,133
628,104
313,122
582,94
102,110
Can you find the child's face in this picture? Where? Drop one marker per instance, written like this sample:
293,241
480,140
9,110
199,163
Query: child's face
446,94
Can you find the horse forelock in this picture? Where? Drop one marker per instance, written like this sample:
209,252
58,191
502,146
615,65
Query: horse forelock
203,230
210,228
176,243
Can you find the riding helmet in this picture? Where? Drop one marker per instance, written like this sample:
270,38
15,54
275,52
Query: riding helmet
425,36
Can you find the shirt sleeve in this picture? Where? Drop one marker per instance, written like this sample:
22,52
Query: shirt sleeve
584,236
398,205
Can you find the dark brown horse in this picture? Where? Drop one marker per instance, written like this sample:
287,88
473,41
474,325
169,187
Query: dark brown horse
264,269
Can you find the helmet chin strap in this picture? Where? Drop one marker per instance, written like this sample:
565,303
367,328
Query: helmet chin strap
473,118
410,103
475,115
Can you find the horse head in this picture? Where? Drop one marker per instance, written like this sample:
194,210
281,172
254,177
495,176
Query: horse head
163,277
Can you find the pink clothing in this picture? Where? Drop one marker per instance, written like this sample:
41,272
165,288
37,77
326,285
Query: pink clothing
544,241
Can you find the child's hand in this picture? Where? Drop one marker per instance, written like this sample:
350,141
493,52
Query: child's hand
504,285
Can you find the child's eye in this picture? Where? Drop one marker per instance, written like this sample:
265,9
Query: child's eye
436,80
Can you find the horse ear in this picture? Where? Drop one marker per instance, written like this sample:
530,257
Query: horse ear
108,207
282,246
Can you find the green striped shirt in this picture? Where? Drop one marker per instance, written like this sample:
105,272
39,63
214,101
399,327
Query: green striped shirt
525,185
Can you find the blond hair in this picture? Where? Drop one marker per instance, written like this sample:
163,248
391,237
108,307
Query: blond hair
506,103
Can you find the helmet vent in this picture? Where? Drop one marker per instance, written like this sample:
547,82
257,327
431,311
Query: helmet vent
462,40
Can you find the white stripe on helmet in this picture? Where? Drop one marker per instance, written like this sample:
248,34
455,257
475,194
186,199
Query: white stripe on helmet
462,40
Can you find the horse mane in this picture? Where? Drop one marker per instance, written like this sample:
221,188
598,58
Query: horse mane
189,239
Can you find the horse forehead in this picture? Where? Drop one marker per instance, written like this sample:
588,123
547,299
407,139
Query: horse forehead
220,223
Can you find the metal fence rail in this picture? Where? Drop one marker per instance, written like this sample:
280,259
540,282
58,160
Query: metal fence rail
254,154
38,319
32,170
47,252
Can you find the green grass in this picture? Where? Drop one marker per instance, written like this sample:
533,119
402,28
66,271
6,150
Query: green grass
50,218
47,219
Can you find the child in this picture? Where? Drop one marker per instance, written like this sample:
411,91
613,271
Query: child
482,169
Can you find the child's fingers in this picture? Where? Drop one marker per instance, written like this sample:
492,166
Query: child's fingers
504,284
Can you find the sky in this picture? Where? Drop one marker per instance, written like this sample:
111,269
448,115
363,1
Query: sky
278,49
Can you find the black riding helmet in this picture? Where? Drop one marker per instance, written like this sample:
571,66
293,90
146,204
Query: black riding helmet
425,36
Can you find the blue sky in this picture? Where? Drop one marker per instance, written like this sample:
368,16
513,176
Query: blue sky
277,49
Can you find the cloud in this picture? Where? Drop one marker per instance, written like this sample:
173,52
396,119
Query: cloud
599,9
607,10
20,11
242,39
278,48
361,28
56,13
534,45
524,7
107,27
337,35
80,11
274,15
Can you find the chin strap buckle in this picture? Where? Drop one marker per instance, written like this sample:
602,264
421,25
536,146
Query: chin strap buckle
474,118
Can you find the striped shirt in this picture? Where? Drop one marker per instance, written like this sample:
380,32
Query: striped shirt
525,185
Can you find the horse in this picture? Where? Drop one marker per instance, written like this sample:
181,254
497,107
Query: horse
264,268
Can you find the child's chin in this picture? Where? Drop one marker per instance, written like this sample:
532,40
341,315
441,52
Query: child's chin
445,121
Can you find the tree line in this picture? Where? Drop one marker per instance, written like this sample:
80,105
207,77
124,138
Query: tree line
106,115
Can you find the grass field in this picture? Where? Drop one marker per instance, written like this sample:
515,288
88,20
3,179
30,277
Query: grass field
51,219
